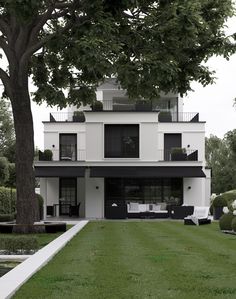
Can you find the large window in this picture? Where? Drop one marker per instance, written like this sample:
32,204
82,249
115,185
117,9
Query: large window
145,190
121,141
67,195
68,147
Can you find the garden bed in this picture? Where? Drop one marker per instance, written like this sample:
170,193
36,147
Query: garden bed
45,227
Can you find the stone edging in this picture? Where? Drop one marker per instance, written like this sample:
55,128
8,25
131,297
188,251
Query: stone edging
14,279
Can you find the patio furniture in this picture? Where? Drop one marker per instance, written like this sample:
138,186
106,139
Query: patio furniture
74,210
180,212
116,211
137,210
199,217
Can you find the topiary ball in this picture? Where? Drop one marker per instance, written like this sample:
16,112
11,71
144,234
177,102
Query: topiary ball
233,224
225,221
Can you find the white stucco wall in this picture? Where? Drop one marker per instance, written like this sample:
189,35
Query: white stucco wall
196,195
207,187
94,204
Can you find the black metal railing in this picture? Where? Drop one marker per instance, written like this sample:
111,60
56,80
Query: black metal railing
172,155
63,155
168,116
66,117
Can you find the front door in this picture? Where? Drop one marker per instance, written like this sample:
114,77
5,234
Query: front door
68,195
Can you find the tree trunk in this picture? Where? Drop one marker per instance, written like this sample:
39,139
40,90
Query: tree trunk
26,205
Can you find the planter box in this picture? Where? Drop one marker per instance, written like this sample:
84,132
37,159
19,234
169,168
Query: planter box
178,157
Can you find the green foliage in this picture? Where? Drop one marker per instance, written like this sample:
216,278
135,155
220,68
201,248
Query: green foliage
7,217
178,150
6,129
220,201
46,155
19,245
222,160
7,200
97,106
233,224
4,171
11,182
225,221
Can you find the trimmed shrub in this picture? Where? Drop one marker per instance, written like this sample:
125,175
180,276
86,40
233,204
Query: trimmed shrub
7,217
234,224
4,171
18,244
97,106
225,221
219,201
7,200
47,155
40,203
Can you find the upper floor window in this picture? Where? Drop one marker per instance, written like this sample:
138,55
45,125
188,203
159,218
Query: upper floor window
121,141
68,147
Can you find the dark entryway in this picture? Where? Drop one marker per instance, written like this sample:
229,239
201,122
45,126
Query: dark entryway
171,141
67,195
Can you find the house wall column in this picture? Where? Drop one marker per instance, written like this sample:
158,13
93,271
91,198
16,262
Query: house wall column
194,191
94,198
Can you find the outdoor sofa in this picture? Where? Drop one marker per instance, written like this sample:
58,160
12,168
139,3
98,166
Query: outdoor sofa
200,216
154,210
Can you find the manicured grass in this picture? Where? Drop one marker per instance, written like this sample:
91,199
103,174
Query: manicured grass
140,260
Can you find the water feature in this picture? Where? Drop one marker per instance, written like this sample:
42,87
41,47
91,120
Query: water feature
6,266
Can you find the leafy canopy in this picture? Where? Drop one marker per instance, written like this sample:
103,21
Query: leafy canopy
150,46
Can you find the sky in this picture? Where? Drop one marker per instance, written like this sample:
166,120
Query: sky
213,102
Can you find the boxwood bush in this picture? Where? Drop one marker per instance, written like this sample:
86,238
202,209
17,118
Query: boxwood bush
19,244
7,200
223,200
234,224
225,221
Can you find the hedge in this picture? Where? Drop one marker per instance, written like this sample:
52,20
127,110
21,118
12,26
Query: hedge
7,217
19,244
7,200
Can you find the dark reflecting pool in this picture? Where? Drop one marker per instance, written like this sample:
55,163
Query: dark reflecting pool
6,267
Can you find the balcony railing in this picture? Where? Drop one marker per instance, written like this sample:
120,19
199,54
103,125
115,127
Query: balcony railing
57,155
66,117
168,116
170,155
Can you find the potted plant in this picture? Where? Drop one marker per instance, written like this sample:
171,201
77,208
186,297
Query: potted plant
97,106
47,155
178,154
143,105
165,116
78,116
218,204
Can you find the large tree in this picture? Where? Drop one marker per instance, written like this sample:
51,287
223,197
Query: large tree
151,46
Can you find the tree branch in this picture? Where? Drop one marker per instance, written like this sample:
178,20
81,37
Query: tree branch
8,52
6,81
4,28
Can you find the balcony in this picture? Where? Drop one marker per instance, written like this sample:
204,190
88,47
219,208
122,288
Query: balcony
76,116
57,155
168,116
180,155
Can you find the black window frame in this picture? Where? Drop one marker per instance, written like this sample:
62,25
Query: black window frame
124,152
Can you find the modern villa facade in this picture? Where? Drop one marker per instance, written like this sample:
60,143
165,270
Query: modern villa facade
130,152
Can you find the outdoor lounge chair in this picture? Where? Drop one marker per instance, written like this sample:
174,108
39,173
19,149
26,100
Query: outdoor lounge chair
199,217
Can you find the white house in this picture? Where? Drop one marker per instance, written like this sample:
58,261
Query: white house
130,153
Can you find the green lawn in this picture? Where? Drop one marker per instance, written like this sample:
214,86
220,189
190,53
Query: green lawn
140,260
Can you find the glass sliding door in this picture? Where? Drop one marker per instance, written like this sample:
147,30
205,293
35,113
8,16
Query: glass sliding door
67,194
68,147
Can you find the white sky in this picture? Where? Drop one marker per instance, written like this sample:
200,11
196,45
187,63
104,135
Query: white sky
214,102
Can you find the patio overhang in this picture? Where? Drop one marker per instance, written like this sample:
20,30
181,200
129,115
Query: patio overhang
147,171
58,171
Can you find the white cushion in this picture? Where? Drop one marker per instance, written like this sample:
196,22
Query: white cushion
201,212
142,207
134,206
156,208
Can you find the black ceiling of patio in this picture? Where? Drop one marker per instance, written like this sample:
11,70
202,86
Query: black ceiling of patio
147,171
59,171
